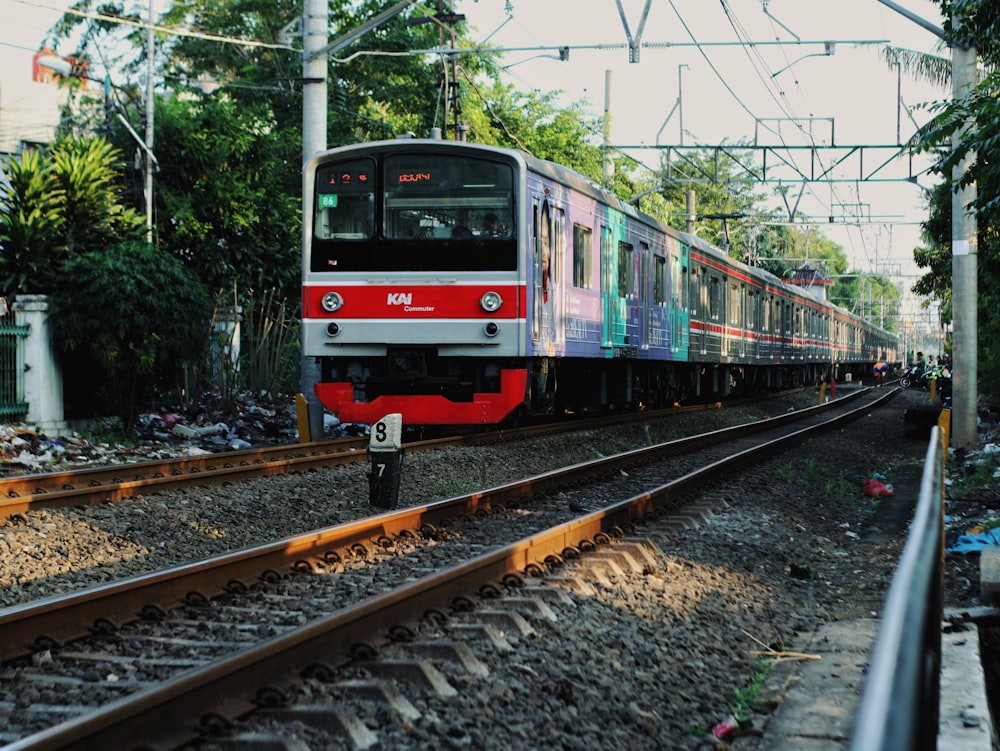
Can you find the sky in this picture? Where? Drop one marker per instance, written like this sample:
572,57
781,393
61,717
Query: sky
722,90
725,91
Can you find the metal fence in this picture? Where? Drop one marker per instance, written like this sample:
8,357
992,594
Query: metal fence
899,706
12,336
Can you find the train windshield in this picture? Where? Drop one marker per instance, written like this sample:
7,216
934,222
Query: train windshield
414,211
345,200
433,195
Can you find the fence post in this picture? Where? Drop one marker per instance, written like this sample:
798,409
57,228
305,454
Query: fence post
43,382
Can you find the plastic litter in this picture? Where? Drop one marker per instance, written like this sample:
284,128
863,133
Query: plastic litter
974,543
186,431
876,488
725,728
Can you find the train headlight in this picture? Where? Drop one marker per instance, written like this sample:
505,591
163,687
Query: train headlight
491,329
491,302
332,302
332,328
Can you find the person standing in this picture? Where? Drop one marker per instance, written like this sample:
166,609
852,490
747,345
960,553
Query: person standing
879,370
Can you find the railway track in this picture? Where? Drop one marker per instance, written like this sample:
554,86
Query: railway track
231,633
101,484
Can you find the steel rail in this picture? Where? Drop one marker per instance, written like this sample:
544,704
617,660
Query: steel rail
94,485
68,616
172,713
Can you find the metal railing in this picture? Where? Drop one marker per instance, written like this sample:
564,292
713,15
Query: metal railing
898,710
12,335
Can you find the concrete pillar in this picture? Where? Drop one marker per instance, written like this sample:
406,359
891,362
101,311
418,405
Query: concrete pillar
43,381
226,345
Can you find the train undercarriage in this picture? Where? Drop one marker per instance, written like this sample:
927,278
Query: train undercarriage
434,390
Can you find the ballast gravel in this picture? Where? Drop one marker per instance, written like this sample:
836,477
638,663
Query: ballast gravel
794,544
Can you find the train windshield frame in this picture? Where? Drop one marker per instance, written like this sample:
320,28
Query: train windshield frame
414,211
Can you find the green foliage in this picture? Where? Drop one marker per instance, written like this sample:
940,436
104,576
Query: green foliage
125,317
87,170
499,115
786,474
233,204
271,350
60,203
972,23
744,699
109,431
453,487
31,222
970,477
839,489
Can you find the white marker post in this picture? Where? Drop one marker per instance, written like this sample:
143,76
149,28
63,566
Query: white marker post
385,451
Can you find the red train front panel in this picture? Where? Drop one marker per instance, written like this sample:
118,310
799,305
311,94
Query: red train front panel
413,298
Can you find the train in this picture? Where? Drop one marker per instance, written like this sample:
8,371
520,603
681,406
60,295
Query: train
457,283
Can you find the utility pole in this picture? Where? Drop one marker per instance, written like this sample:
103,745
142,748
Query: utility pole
315,31
609,167
964,263
964,256
148,151
315,27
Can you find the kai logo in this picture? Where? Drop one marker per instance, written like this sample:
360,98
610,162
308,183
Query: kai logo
399,298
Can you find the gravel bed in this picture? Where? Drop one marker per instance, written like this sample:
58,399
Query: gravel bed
60,550
796,544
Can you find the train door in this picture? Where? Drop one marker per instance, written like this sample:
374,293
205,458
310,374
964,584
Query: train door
557,279
733,331
644,295
680,306
613,288
766,331
543,318
785,327
699,309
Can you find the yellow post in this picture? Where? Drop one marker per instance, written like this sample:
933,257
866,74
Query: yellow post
302,413
822,392
944,422
933,387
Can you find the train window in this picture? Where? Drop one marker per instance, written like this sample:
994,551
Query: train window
558,244
659,280
714,298
345,200
626,270
443,196
583,245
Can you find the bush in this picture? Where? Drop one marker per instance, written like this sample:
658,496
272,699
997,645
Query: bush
125,318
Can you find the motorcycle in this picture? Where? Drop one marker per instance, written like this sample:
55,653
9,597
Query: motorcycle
913,375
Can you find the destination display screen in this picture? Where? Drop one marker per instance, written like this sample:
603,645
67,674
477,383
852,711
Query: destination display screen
356,176
410,178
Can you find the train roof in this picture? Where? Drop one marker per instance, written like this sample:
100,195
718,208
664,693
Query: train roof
565,175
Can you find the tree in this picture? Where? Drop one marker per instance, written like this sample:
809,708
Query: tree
145,314
223,196
31,222
61,203
970,23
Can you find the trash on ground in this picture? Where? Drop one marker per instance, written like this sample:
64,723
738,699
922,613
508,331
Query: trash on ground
876,488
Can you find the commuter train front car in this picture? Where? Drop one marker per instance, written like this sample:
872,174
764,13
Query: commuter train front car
460,284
